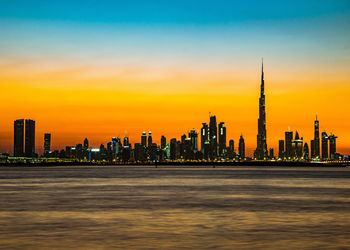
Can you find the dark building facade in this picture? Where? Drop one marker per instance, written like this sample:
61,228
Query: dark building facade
162,142
204,136
261,148
29,138
18,145
281,149
324,146
316,143
213,137
193,136
144,139
241,147
332,147
222,139
288,141
47,144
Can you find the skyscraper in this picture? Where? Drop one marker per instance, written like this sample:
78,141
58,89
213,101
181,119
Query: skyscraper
288,140
332,146
281,149
241,147
316,139
222,138
204,136
144,139
193,135
324,146
86,144
213,134
18,138
149,139
29,138
261,149
306,152
162,142
47,144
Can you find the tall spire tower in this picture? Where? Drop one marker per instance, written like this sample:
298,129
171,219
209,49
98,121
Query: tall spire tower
261,148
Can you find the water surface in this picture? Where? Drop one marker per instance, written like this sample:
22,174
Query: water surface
174,207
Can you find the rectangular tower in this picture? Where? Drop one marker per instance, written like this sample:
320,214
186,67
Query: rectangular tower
29,138
18,128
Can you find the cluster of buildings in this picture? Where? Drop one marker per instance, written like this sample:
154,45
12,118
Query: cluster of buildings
213,145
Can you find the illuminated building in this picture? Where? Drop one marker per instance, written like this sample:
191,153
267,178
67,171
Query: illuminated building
149,139
306,152
213,134
297,147
222,139
324,146
29,138
144,139
261,148
241,147
204,136
18,128
47,144
193,136
126,142
316,144
281,149
332,147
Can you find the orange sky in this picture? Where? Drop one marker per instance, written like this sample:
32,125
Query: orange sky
74,101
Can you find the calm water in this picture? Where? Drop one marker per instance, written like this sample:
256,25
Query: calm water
176,208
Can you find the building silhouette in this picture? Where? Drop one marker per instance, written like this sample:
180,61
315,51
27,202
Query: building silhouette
213,134
162,142
241,147
204,136
193,136
47,144
261,149
288,142
324,146
29,138
144,139
332,147
281,149
306,152
222,139
18,141
149,139
315,143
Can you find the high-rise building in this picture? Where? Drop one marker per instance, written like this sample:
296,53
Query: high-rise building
18,138
47,144
162,142
193,136
261,148
86,144
297,147
144,139
306,152
29,138
149,139
332,147
204,136
213,134
126,142
222,138
271,154
241,147
281,149
288,140
324,146
173,145
316,139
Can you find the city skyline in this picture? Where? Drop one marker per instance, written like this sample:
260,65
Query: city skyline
131,70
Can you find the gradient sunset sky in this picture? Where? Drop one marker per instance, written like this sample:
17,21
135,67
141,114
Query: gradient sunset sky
102,69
